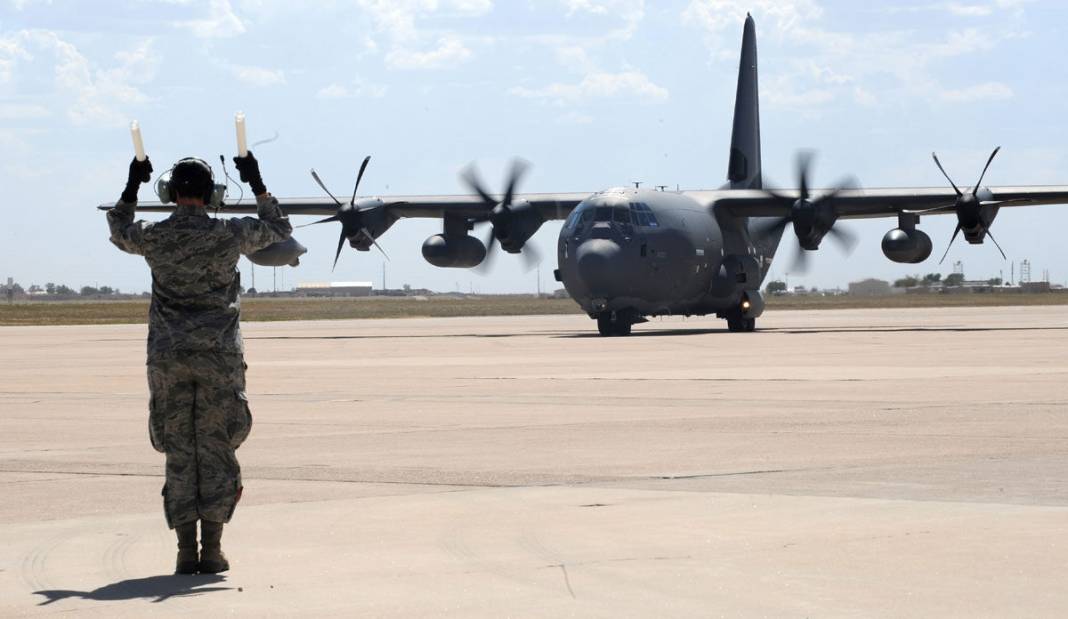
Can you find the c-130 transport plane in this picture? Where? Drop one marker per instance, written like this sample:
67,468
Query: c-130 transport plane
628,253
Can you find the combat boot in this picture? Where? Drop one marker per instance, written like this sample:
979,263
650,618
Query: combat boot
187,549
212,559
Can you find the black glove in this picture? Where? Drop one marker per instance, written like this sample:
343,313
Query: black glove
249,169
140,172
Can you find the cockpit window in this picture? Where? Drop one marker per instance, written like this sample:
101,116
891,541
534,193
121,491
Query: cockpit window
604,213
572,219
643,215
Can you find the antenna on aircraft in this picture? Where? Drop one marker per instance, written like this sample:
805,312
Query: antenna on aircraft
637,184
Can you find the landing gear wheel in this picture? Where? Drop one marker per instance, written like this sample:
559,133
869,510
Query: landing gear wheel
741,324
608,327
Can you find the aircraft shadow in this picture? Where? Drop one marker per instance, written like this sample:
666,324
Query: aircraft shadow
156,588
806,331
400,337
817,330
639,333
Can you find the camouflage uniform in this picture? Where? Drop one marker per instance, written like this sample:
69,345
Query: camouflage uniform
198,413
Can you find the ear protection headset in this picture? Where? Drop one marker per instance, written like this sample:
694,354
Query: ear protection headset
191,177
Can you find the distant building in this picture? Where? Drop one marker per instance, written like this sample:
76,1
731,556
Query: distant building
870,288
1035,287
335,289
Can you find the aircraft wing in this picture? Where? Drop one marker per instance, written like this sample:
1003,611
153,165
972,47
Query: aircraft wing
549,205
868,203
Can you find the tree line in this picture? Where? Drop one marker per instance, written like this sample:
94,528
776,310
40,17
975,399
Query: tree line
58,290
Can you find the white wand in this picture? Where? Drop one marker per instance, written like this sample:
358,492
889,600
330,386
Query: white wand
139,146
242,142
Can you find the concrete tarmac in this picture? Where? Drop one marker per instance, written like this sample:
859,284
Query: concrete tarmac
863,463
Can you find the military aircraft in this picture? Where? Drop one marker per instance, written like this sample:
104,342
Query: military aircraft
628,253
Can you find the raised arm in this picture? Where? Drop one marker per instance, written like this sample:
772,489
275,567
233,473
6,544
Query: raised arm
127,234
272,226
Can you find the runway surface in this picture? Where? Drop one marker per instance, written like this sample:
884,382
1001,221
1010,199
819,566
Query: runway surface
869,462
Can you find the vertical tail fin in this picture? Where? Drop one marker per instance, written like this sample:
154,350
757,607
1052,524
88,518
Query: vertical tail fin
743,172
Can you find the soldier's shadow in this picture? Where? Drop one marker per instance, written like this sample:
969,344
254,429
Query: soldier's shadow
156,588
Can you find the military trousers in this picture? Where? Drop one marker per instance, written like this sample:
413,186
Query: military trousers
198,417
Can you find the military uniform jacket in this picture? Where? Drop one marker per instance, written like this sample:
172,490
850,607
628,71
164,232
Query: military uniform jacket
196,302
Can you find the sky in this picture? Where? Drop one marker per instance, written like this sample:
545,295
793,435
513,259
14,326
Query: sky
594,93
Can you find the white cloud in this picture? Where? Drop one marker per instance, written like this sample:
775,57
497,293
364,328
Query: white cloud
969,10
987,91
357,89
830,65
258,76
627,84
449,52
90,95
22,4
11,51
22,111
784,15
396,20
220,22
632,12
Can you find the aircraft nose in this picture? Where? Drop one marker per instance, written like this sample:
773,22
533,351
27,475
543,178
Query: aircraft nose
597,264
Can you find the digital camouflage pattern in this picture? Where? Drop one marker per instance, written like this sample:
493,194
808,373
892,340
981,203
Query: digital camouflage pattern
196,303
198,416
198,412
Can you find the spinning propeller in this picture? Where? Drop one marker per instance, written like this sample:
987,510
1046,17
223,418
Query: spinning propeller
503,216
812,219
350,216
970,208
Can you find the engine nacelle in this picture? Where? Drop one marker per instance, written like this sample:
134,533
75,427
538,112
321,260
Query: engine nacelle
522,222
907,246
283,253
454,251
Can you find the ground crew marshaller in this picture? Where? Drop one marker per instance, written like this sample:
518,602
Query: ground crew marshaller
198,412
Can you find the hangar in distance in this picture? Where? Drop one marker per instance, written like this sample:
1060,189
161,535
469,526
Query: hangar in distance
628,253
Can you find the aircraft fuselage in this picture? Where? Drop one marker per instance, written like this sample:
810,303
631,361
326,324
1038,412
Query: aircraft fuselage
646,253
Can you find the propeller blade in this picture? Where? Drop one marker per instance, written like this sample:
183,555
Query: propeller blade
804,163
519,168
484,266
951,183
359,177
956,231
470,178
844,237
768,229
340,244
531,256
800,265
321,221
980,181
374,242
1003,256
774,194
320,181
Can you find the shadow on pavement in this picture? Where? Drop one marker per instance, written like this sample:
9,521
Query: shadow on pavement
157,588
812,330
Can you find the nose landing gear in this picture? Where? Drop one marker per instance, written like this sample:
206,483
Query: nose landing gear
614,324
736,323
